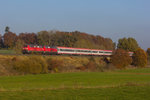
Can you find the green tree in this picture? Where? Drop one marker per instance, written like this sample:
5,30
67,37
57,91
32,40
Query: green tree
44,38
132,44
129,44
67,40
140,58
7,29
121,58
148,52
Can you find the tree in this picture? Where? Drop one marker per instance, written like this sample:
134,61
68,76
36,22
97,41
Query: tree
67,40
121,58
18,46
140,58
148,52
28,38
1,42
10,39
7,29
74,39
129,44
132,44
44,38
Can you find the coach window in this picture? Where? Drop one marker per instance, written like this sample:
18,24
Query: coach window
77,50
70,50
94,51
86,51
83,50
89,51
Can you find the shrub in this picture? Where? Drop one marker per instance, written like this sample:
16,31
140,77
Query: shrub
92,64
121,58
32,65
89,66
140,58
54,64
18,46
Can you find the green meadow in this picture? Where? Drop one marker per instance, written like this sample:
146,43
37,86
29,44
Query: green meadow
131,84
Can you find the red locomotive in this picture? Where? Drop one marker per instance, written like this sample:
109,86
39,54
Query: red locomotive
38,49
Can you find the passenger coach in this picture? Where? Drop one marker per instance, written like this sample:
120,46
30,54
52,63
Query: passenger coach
81,51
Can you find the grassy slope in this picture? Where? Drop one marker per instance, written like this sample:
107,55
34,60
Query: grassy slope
130,84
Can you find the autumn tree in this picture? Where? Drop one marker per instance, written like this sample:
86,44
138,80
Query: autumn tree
74,39
140,58
121,58
85,40
9,39
28,38
1,41
128,44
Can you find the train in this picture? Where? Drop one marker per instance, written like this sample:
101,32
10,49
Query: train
58,50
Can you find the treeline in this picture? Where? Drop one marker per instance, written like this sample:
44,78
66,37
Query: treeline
121,58
55,38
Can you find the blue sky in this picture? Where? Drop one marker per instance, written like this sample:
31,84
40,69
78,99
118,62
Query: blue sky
109,18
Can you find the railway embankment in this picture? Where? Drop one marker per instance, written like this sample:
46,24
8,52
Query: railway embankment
39,64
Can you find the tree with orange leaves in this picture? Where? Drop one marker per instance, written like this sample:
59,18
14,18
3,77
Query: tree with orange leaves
121,58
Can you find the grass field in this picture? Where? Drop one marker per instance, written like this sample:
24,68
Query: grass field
132,84
7,51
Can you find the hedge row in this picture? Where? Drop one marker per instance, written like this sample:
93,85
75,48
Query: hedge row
40,64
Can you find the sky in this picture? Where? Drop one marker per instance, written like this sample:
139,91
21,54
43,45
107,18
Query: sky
109,18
